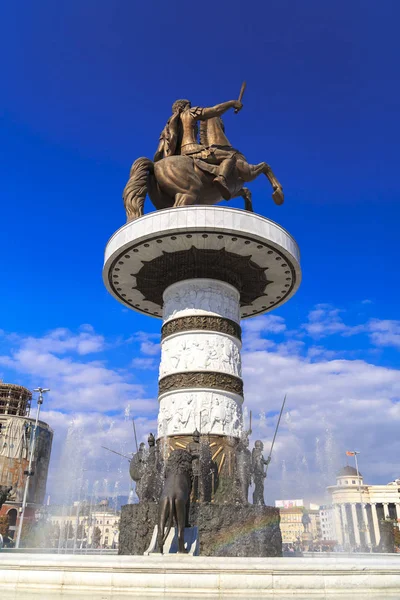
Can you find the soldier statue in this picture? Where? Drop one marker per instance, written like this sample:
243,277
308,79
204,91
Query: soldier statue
306,521
258,462
243,468
137,468
194,447
146,471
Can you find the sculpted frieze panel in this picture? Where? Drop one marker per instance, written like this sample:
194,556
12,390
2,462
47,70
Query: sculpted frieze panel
209,412
200,351
202,297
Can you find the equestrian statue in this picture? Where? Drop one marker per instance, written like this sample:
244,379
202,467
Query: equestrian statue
189,171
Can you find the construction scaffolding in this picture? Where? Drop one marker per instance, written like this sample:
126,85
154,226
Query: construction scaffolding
14,400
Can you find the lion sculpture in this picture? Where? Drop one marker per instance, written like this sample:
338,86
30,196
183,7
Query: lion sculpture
175,498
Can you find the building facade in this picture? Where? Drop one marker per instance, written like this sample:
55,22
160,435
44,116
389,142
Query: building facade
359,509
291,514
86,526
328,523
16,436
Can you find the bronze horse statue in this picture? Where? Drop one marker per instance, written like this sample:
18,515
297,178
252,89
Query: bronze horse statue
186,180
175,498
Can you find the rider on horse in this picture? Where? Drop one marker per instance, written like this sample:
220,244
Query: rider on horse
179,136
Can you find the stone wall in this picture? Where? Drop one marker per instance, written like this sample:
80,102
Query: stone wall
224,529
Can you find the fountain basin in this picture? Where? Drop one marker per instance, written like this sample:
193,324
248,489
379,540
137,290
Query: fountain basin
182,576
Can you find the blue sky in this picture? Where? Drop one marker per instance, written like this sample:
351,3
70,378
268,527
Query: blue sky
86,88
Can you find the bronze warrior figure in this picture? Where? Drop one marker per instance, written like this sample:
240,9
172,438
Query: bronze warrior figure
186,172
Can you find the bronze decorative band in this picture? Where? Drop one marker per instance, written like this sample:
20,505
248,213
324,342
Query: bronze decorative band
201,379
203,323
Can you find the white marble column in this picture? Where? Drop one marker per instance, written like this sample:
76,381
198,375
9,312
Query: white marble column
338,524
200,383
386,510
376,524
356,527
398,512
345,528
366,525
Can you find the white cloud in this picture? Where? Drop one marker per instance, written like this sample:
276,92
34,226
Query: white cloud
333,403
384,333
145,363
324,320
62,341
149,342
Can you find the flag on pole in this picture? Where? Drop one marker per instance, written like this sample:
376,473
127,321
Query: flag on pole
348,453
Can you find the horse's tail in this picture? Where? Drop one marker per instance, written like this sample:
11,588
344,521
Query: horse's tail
135,190
171,516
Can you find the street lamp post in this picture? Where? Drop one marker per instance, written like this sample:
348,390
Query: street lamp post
29,472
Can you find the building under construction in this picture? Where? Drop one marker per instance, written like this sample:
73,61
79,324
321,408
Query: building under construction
16,435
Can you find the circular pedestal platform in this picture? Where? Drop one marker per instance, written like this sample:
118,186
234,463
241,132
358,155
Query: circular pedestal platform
245,250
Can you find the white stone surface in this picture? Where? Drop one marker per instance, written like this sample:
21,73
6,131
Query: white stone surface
267,244
201,297
215,412
189,577
182,410
200,351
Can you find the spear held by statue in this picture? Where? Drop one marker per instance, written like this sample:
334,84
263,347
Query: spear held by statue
276,431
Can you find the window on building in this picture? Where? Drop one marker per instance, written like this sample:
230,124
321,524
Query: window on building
346,482
107,530
353,481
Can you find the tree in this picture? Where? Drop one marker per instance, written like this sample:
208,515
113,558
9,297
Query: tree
69,531
4,522
56,535
396,536
96,537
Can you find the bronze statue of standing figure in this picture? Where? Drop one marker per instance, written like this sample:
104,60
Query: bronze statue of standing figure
187,172
258,462
244,468
175,498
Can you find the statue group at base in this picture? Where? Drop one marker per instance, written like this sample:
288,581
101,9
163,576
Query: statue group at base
188,475
190,171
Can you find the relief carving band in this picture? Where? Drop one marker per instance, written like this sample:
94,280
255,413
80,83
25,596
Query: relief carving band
194,170
211,412
193,297
202,322
200,352
201,379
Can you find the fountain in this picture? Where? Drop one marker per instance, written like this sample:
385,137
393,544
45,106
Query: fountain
200,269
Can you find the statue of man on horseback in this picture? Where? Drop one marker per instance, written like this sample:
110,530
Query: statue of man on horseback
179,136
188,172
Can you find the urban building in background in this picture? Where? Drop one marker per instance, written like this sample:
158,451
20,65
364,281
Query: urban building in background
328,523
16,431
291,514
360,509
84,526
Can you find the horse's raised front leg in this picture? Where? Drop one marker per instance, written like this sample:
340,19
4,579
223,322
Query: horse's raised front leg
250,172
277,194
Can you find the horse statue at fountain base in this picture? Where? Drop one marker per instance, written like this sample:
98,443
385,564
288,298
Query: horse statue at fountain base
187,180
